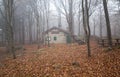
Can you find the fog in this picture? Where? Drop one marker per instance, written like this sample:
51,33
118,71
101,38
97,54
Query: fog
31,15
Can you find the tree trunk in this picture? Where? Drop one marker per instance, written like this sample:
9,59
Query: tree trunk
86,25
94,29
71,20
100,23
79,22
8,4
107,23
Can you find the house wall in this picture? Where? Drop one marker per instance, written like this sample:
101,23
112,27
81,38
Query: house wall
61,37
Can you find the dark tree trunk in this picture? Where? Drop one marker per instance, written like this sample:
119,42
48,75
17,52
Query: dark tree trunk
100,23
94,29
79,27
107,23
71,20
8,4
86,25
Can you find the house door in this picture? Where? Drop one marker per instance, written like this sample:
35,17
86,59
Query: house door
68,39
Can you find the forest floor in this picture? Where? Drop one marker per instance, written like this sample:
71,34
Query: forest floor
62,61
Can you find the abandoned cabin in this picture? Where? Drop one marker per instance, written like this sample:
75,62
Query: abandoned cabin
57,35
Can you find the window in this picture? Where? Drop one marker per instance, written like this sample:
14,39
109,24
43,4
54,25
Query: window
55,38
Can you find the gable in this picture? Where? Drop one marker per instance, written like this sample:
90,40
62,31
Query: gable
56,30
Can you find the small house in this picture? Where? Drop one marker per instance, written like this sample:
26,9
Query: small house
57,35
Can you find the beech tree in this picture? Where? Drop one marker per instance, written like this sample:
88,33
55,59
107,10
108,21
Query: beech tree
66,9
79,19
86,26
9,15
47,16
100,16
107,23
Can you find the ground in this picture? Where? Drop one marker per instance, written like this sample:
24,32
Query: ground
62,61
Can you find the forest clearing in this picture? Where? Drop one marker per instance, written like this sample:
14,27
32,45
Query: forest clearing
63,61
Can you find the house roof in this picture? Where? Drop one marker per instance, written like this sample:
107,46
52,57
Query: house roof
59,29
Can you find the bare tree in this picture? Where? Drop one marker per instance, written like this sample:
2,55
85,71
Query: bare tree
9,11
66,9
100,22
47,16
85,12
107,23
36,9
94,28
79,21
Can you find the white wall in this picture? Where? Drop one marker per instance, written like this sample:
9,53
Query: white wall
61,37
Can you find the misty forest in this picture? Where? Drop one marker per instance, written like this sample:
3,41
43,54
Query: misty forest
59,38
